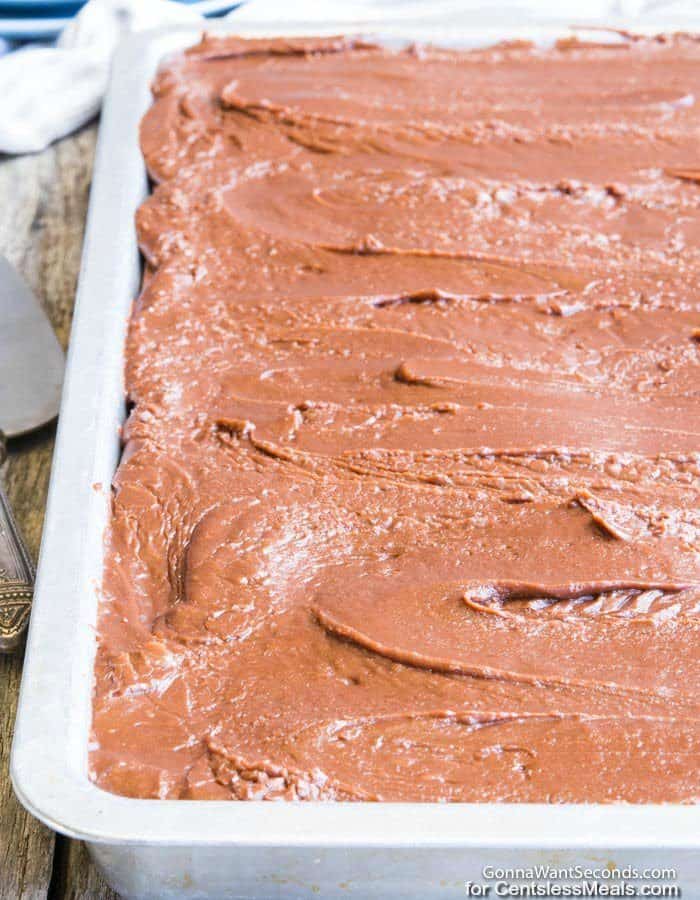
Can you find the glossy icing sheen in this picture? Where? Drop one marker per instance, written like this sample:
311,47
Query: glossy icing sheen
408,505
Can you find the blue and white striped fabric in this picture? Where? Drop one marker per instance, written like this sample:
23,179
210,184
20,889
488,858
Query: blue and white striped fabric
30,20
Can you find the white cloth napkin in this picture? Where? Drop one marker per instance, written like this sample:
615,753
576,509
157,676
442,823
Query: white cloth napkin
48,91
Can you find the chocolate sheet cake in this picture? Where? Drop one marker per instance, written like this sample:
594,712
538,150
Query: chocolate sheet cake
408,501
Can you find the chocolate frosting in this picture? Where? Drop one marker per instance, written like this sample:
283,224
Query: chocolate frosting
408,502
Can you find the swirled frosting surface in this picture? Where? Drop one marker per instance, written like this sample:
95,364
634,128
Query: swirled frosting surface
408,502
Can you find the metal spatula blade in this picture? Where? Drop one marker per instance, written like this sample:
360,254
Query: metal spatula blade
31,359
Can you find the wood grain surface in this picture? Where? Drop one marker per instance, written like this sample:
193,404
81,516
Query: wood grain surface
42,217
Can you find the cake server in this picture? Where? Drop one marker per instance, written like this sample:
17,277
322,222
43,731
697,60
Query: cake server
31,376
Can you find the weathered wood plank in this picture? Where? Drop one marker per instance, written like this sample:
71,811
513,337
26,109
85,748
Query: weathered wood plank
75,876
27,847
42,215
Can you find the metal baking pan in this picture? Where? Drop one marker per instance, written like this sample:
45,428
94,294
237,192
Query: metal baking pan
203,849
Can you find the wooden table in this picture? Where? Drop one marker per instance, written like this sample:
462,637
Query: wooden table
42,216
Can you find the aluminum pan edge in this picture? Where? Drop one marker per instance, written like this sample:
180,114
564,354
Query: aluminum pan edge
49,756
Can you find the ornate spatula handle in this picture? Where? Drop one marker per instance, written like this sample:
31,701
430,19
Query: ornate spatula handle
16,575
